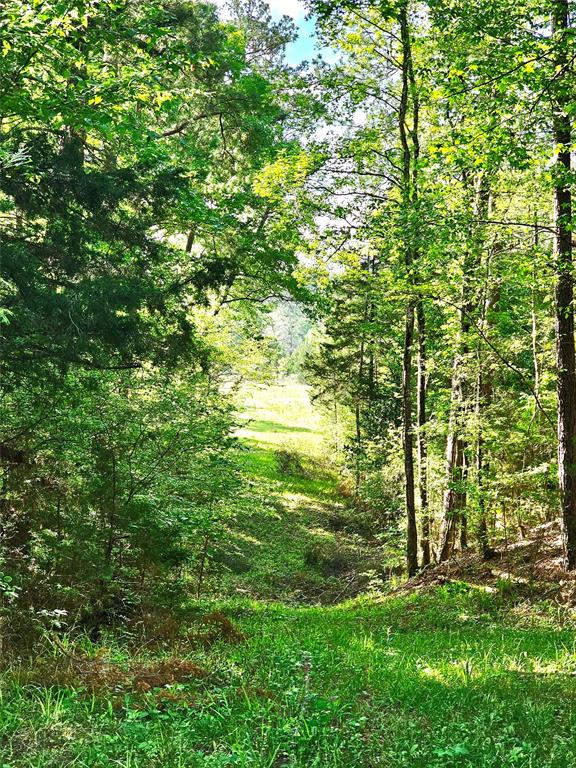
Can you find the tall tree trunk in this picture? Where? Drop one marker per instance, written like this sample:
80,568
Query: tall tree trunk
358,399
484,398
454,506
454,494
565,351
422,443
408,442
534,313
484,394
409,143
482,469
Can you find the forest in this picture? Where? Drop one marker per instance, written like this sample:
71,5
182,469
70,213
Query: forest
287,384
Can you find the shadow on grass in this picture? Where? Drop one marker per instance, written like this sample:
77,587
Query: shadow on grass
273,426
263,464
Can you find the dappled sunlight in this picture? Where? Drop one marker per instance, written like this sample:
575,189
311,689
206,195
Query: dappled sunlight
287,384
245,537
297,500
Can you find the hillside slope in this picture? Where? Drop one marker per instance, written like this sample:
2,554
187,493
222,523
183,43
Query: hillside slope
530,567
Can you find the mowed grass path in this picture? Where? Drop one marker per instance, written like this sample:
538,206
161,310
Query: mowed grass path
454,677
280,419
286,453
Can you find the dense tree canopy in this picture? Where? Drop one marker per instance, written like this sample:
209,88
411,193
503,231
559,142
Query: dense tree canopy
166,180
287,384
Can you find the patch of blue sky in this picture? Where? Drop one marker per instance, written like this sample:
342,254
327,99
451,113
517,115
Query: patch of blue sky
307,46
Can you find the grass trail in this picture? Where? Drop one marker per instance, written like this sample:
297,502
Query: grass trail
282,416
445,679
300,544
456,676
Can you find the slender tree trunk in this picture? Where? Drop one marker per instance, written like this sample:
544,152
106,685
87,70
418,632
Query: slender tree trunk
358,444
565,350
408,441
455,447
109,546
534,313
357,407
482,469
484,394
454,507
452,494
409,143
422,443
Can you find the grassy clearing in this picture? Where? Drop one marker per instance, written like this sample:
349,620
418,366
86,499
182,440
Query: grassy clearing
281,416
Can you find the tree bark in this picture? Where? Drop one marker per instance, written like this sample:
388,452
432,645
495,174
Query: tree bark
409,144
564,293
454,506
534,312
408,442
484,395
422,443
452,494
357,403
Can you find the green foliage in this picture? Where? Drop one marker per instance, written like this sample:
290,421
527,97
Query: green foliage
126,475
463,235
130,144
168,189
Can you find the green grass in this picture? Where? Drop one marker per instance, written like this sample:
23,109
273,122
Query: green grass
447,678
280,416
459,676
279,419
274,427
287,453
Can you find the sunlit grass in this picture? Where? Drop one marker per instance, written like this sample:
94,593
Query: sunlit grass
282,415
404,682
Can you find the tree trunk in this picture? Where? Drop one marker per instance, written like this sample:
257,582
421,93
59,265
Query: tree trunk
484,391
565,351
409,144
454,506
357,404
534,311
452,494
422,444
408,441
